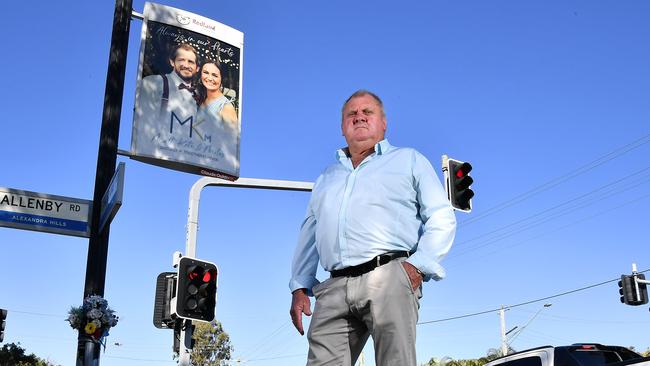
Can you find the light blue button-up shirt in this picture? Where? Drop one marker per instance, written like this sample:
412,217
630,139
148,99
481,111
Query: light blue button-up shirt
392,201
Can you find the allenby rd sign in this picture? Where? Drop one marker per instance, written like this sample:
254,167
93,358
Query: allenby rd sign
44,212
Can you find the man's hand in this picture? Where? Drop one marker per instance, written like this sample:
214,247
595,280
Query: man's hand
299,304
414,275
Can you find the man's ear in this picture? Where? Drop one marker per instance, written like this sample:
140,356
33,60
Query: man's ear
171,63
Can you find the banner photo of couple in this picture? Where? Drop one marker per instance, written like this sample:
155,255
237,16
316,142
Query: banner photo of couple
188,94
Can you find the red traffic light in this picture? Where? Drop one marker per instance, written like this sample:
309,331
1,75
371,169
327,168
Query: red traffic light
462,170
207,276
196,289
458,182
193,272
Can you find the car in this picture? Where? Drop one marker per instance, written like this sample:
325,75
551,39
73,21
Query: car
580,354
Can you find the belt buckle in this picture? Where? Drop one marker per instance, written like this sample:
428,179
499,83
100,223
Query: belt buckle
378,260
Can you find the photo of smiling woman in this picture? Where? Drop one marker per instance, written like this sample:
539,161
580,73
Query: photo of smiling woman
217,117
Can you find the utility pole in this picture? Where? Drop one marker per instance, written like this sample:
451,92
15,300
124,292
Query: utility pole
504,340
87,350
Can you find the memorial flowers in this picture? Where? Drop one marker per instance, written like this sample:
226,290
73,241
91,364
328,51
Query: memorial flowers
94,318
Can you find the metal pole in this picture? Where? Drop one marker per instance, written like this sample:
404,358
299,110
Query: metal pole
195,197
193,226
106,158
504,343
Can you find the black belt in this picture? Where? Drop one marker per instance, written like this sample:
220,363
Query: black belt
363,268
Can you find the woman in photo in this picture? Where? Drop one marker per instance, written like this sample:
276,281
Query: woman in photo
217,117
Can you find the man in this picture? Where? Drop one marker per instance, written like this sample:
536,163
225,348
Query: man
165,110
379,222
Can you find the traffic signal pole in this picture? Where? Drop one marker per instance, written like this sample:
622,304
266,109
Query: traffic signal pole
87,350
193,226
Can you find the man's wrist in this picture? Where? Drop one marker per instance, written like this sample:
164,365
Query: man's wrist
303,290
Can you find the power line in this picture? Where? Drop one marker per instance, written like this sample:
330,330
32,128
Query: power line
551,216
259,346
635,200
526,302
270,358
561,179
584,197
140,359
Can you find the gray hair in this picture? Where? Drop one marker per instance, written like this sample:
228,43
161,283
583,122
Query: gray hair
361,93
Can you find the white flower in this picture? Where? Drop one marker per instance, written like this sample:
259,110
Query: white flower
94,314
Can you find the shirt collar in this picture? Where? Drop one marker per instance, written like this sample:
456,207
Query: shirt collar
381,148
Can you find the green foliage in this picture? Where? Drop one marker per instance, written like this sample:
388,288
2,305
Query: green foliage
447,361
12,354
212,345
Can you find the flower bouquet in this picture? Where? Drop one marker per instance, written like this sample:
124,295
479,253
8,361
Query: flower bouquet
94,318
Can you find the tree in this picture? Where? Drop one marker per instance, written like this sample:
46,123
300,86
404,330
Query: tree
447,361
646,353
12,354
212,345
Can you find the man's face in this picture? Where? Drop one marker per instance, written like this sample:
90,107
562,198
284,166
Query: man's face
184,64
363,121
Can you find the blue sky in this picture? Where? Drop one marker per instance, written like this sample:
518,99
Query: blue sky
549,101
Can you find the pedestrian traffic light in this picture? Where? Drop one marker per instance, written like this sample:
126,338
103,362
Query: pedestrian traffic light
196,289
457,183
633,292
165,291
3,317
643,288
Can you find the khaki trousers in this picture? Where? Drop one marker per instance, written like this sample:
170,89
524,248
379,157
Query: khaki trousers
381,303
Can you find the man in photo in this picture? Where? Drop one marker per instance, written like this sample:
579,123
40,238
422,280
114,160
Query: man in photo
166,103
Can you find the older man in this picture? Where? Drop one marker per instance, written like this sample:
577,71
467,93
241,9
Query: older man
379,222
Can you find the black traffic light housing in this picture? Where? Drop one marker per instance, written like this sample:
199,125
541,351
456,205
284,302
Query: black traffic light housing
458,183
632,291
165,292
196,290
3,318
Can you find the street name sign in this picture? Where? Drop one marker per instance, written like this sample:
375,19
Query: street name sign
44,212
112,199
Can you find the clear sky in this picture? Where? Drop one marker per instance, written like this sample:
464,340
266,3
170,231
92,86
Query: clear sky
549,101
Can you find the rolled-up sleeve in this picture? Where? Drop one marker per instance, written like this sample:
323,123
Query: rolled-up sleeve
438,219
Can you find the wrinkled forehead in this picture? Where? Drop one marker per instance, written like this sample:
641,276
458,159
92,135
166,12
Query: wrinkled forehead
361,102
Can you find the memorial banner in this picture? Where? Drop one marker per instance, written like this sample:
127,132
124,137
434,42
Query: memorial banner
187,113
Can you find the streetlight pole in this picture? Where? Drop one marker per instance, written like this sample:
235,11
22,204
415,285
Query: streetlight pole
193,226
87,350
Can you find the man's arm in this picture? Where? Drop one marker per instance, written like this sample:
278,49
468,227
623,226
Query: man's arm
439,221
303,271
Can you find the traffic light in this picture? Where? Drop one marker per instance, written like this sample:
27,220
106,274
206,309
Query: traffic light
3,317
165,291
643,288
633,292
196,289
457,183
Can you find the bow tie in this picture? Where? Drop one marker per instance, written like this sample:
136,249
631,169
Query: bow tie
182,86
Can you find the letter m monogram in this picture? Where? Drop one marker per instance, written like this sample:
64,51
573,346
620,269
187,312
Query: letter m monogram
174,117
